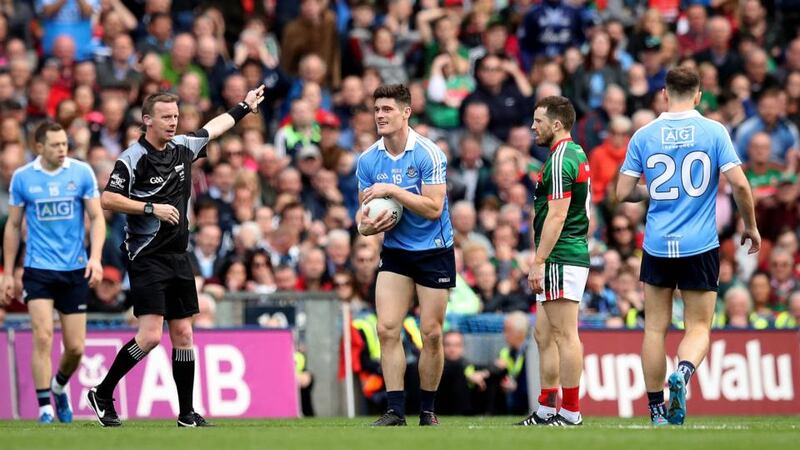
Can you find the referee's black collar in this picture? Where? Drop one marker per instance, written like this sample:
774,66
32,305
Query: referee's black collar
149,147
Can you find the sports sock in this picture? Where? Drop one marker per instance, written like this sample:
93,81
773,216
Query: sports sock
43,396
686,369
426,399
48,408
183,373
59,382
655,402
570,401
547,403
130,354
397,402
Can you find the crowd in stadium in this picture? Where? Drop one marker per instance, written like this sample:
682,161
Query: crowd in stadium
276,202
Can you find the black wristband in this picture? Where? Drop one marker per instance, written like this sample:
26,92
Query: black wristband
239,111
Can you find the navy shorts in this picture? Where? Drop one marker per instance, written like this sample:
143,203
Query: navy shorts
163,284
430,268
68,289
692,273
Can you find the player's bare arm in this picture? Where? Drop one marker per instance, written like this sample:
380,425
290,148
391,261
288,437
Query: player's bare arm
629,189
217,126
10,248
744,202
97,234
428,204
551,231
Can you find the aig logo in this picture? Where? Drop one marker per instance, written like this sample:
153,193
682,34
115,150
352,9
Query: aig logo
677,137
156,180
54,209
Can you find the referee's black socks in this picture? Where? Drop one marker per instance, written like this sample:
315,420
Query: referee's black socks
130,354
183,373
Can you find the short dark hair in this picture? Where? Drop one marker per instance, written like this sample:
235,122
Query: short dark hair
158,97
398,92
40,135
682,82
558,108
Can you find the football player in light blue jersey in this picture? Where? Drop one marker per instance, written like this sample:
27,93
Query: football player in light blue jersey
681,155
417,253
53,192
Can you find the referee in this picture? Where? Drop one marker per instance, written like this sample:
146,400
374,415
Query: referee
151,183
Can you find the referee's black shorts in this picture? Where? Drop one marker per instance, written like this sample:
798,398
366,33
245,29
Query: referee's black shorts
163,284
691,273
430,268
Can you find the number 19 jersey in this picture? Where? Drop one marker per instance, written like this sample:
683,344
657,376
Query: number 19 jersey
681,156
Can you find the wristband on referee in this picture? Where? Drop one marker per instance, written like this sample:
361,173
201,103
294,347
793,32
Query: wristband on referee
239,111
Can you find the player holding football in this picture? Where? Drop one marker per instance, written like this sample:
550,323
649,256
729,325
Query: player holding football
417,256
681,155
561,264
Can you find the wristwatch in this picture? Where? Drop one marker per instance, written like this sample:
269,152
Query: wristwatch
148,209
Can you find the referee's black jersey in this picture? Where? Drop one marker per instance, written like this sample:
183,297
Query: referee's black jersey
145,174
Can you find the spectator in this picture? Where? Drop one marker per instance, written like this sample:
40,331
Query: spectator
600,70
599,299
510,363
108,296
205,255
550,28
260,278
345,289
784,134
762,174
738,309
791,317
755,25
119,68
476,117
654,64
301,131
719,51
781,212
68,17
314,31
179,61
449,84
782,280
591,130
459,378
696,38
312,271
158,38
207,316
337,251
757,71
285,279
606,159
496,297
509,100
621,236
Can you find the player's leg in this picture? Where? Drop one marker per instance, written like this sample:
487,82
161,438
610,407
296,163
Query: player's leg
70,302
564,285
563,317
73,332
548,371
393,296
433,305
698,312
41,312
658,317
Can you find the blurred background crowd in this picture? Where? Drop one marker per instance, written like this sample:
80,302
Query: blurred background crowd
275,203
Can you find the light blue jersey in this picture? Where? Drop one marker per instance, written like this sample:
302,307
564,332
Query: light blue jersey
681,156
53,203
422,162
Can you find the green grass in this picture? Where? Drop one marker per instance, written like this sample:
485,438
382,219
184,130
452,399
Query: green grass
462,433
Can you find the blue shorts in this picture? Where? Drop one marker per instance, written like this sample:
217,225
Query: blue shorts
430,268
69,290
691,273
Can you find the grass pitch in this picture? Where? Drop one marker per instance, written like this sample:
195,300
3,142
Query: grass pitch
461,433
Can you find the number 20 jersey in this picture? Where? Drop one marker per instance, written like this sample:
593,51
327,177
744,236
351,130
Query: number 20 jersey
681,156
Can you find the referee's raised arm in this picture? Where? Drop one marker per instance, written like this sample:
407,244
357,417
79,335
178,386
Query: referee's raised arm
217,126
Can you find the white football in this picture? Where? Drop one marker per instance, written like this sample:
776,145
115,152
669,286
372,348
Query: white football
378,205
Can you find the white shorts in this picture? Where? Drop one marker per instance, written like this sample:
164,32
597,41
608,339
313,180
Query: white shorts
562,281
